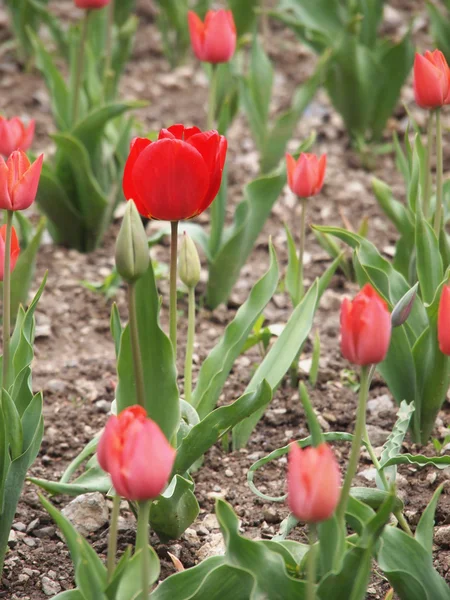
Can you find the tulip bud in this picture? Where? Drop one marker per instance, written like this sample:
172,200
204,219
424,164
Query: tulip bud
365,328
19,181
136,454
314,483
132,256
213,40
189,262
14,135
91,4
431,80
444,321
306,175
404,307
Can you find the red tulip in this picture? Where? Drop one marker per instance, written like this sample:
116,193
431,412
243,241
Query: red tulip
431,80
314,482
178,176
135,452
305,177
15,250
91,4
444,321
14,135
213,41
19,180
365,328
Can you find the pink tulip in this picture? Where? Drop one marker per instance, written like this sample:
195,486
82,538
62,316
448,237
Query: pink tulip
444,321
19,180
306,175
214,40
15,250
314,483
135,452
91,4
431,80
14,135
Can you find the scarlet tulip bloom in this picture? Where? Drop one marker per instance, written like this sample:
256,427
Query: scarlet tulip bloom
135,452
15,250
444,321
19,180
306,175
314,482
178,176
91,4
214,40
14,135
365,328
431,80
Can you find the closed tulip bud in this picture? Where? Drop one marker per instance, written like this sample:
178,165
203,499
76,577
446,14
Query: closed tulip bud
306,175
15,250
178,176
444,321
19,181
14,135
132,256
431,80
314,483
404,306
91,4
213,40
365,328
136,454
189,262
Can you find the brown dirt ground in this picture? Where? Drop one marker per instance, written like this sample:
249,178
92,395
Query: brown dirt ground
75,363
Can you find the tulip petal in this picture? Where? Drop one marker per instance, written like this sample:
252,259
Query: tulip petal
170,179
290,168
213,148
197,33
129,191
25,190
429,83
220,37
5,198
444,321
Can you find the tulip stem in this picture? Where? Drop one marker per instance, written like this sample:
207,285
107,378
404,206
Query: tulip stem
356,445
142,544
439,175
301,252
189,346
312,563
173,286
212,100
135,346
80,67
427,191
108,50
7,300
112,540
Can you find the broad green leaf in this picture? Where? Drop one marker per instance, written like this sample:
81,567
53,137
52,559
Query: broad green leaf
174,510
14,426
311,417
441,462
292,267
392,208
217,366
350,583
130,586
116,328
157,360
428,259
184,585
244,14
425,528
70,595
91,480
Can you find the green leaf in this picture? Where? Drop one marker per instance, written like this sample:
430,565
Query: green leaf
311,417
185,584
292,266
393,209
217,366
14,426
91,480
160,381
441,462
350,582
440,28
428,259
409,567
116,328
70,595
425,528
130,586
244,14
174,510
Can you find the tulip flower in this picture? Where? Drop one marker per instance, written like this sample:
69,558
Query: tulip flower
19,180
136,454
91,4
15,250
431,80
213,40
365,328
444,321
306,175
314,483
14,135
178,176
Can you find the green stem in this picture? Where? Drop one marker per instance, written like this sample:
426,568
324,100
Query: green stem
439,175
80,67
212,100
142,541
427,191
135,346
173,286
108,49
312,563
7,299
189,346
301,252
356,445
112,540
